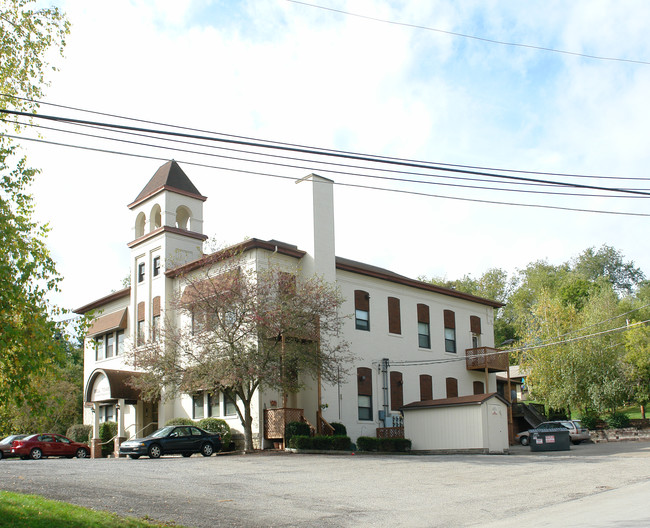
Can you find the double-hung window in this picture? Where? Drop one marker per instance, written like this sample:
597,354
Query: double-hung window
424,328
364,392
450,331
362,310
197,406
141,272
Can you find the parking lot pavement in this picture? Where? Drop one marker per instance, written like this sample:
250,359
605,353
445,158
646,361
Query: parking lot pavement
521,489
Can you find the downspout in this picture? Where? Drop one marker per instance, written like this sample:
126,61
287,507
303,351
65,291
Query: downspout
384,376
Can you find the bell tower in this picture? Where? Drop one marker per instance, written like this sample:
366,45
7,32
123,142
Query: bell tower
167,232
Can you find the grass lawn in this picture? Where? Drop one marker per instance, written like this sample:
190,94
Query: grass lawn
32,511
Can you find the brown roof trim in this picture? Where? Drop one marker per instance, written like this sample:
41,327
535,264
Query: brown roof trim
380,273
474,399
167,229
104,300
253,243
167,188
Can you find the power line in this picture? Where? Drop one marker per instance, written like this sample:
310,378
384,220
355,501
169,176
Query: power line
466,36
416,363
248,138
340,184
317,152
325,170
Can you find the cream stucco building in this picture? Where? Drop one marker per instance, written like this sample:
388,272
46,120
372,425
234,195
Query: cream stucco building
413,341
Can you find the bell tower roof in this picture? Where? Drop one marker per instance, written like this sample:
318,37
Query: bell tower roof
169,177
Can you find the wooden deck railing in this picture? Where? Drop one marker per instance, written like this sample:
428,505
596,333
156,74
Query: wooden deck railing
486,357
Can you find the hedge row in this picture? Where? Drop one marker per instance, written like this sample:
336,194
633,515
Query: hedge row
320,443
370,443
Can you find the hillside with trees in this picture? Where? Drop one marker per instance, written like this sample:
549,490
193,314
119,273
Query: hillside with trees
578,329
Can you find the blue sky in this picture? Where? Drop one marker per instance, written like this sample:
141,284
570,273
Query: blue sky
278,70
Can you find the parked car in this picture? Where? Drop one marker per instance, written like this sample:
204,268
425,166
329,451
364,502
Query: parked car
5,445
577,433
173,439
37,446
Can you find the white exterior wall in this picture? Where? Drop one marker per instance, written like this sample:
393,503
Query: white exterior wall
371,346
463,427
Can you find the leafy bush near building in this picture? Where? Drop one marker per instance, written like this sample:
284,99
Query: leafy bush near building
617,420
296,429
216,425
370,443
320,443
339,429
589,420
79,433
107,431
180,421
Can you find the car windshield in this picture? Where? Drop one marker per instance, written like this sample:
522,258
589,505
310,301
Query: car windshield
162,432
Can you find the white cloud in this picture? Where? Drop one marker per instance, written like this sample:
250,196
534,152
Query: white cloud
288,72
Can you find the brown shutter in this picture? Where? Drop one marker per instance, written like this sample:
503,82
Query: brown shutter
450,319
452,387
426,387
361,300
394,319
396,391
364,381
155,306
423,313
478,387
475,324
141,311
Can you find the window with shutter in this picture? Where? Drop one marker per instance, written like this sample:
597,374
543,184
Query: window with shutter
450,331
362,310
364,391
394,317
396,391
426,387
452,387
424,329
479,387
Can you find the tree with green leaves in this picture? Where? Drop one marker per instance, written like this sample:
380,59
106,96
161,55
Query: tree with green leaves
28,334
241,330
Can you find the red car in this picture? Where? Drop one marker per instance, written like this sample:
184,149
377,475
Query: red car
38,446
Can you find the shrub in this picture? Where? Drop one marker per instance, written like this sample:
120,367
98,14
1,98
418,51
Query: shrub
296,428
370,443
300,442
616,420
180,421
107,431
339,429
79,433
367,443
589,420
216,425
321,443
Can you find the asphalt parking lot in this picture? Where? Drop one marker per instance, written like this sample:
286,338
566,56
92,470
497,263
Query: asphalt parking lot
597,484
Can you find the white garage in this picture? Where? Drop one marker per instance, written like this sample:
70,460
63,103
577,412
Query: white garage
473,424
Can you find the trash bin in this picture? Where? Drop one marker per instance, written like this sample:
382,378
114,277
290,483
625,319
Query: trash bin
550,439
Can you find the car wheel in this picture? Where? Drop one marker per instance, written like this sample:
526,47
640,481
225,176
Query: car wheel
36,454
523,440
82,453
187,455
576,442
134,457
1,454
207,450
154,451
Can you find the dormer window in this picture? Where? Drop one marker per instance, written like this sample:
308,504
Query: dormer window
141,272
